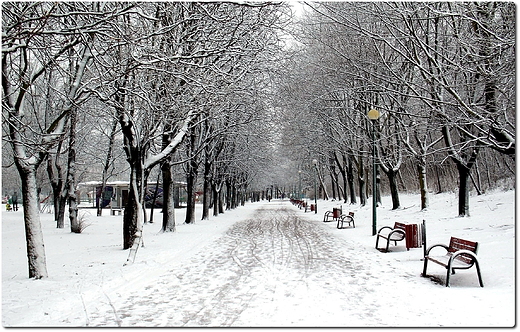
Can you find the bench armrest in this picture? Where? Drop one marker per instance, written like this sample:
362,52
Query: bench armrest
397,230
463,252
435,246
384,227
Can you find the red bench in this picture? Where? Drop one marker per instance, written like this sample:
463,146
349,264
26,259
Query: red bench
412,233
460,254
346,218
333,215
397,233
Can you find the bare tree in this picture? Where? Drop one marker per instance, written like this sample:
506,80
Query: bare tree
26,28
451,58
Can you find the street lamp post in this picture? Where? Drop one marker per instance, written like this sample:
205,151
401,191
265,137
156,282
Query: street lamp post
300,185
373,115
315,162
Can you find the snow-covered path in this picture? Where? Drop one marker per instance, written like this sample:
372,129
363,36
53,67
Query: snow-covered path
277,268
250,276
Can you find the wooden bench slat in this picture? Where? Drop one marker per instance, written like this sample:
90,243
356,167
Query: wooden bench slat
443,260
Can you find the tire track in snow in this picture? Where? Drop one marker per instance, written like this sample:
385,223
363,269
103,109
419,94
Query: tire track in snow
275,269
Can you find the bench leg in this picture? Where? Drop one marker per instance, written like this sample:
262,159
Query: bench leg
377,243
425,265
478,274
448,274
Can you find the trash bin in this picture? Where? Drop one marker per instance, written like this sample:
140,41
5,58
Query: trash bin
413,236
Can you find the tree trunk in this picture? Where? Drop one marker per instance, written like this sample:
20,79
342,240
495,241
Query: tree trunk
478,183
343,172
243,195
322,186
130,219
345,186
168,217
133,215
191,177
154,199
133,219
361,180
350,179
438,176
62,204
234,195
206,198
228,194
57,181
33,230
333,184
463,190
143,201
220,204
464,169
215,199
423,185
394,191
190,200
108,161
75,226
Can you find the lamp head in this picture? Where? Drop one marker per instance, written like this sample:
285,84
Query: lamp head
373,114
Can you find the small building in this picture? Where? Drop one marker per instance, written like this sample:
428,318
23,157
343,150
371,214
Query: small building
115,194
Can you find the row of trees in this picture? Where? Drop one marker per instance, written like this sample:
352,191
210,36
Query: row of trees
441,74
178,84
143,91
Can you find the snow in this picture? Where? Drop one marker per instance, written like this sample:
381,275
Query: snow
188,278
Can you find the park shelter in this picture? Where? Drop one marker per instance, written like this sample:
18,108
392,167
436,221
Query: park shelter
115,194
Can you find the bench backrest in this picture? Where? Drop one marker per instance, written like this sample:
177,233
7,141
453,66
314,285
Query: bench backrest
457,244
351,214
399,225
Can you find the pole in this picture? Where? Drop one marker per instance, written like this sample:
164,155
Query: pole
315,191
300,188
374,185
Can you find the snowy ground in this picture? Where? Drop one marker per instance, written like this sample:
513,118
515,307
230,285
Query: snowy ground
266,264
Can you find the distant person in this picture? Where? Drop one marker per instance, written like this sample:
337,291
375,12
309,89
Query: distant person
14,199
